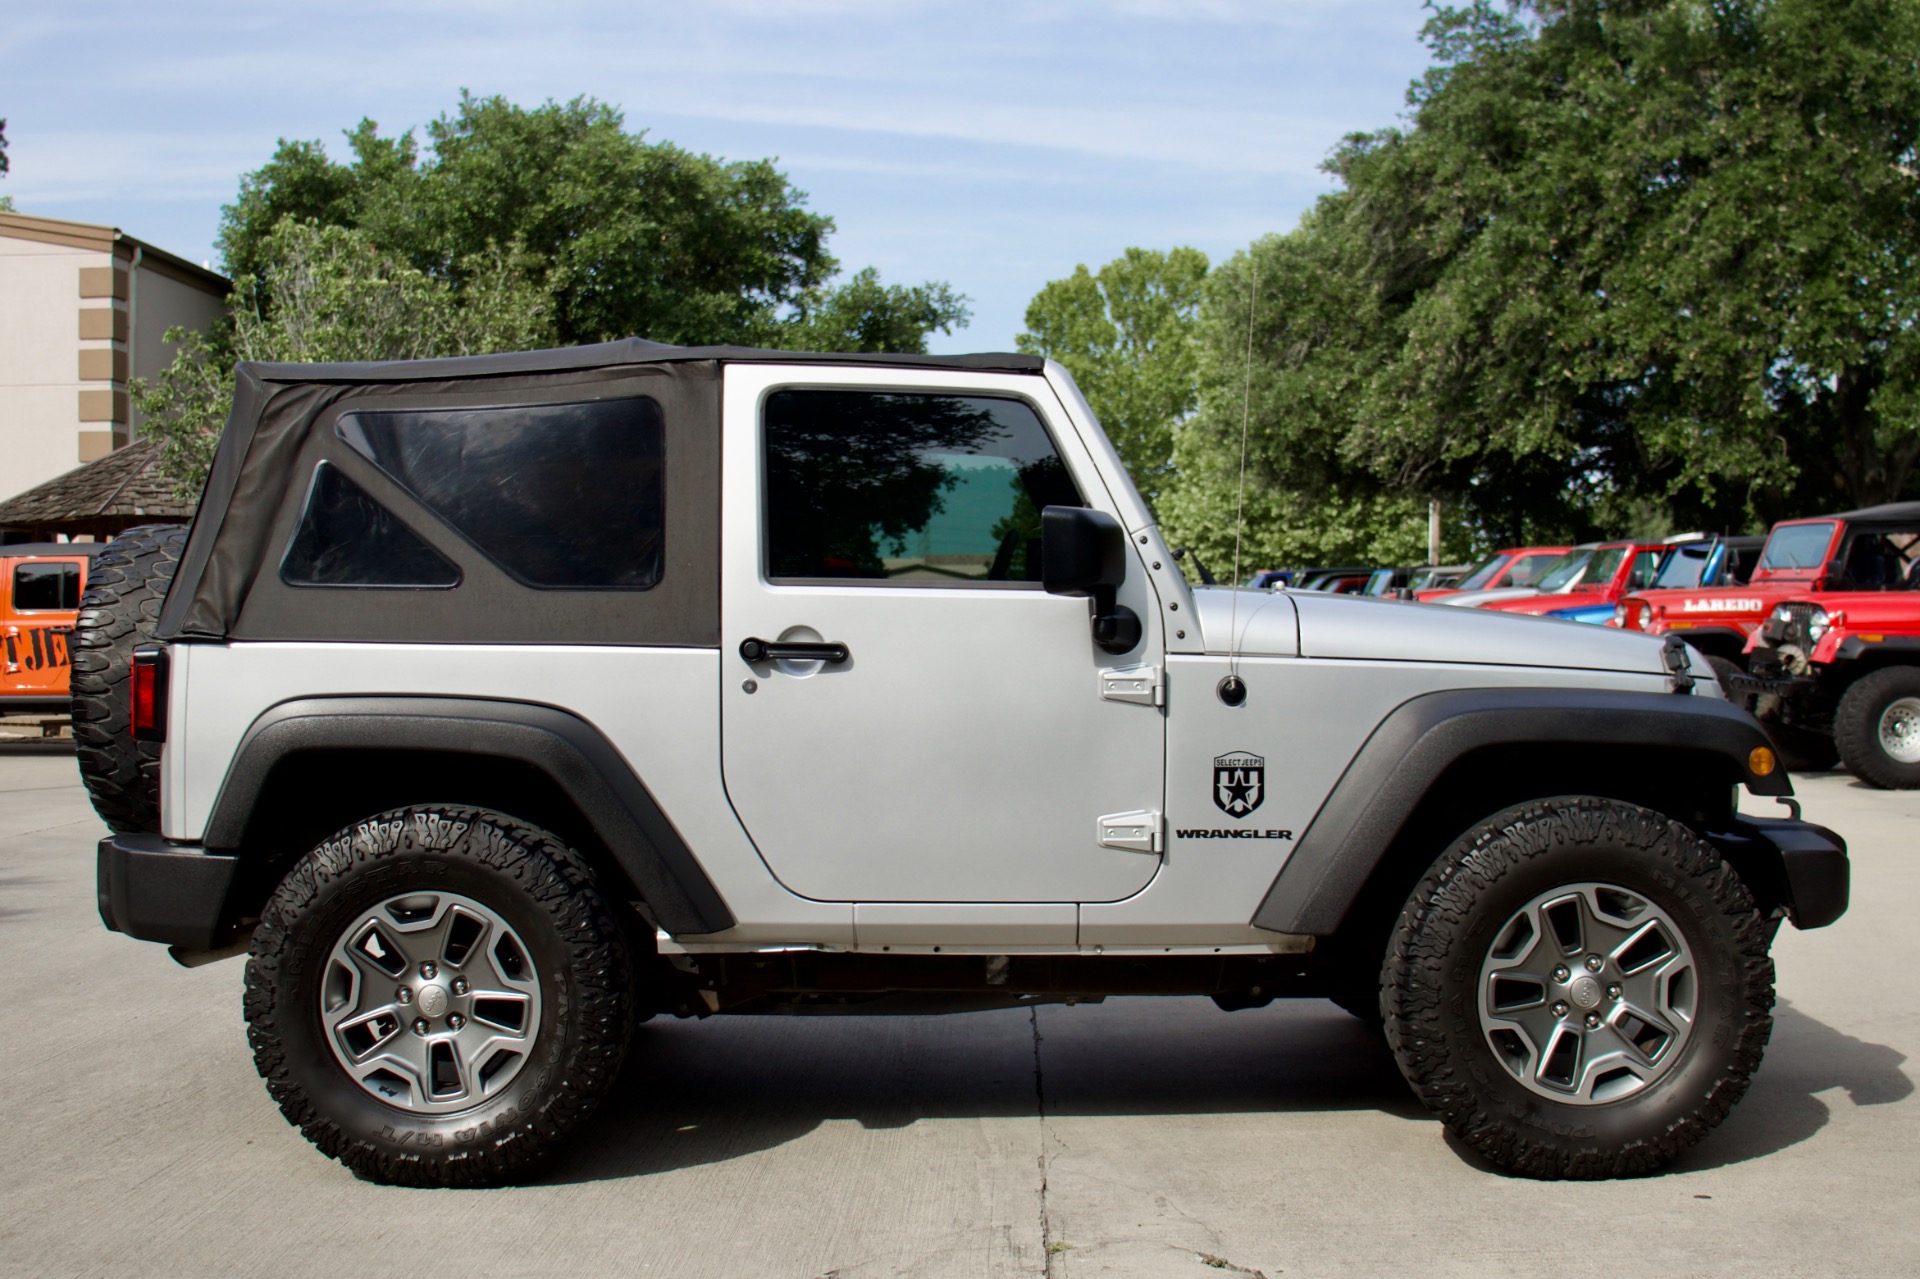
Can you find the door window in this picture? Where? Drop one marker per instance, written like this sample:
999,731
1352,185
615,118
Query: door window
908,489
46,587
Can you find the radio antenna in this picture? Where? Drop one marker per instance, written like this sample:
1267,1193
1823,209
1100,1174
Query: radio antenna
1232,690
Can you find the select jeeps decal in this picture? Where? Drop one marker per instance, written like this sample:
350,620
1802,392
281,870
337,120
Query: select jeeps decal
1239,784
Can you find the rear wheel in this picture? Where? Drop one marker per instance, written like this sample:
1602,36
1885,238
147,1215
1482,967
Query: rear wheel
1878,728
126,585
1579,988
439,996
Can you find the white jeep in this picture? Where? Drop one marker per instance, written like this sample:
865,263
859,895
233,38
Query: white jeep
501,703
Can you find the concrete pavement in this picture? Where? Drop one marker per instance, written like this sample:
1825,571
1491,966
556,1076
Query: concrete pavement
1139,1137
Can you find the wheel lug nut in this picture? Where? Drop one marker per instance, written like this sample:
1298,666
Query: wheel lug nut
456,1021
1559,1010
403,996
459,985
1595,963
1613,992
1593,1021
420,1025
429,970
1561,973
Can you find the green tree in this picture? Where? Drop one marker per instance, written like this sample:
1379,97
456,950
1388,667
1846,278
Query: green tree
1126,334
1628,266
636,237
1664,247
335,297
1313,329
6,201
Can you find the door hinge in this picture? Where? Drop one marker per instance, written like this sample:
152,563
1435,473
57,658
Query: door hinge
1141,685
1138,831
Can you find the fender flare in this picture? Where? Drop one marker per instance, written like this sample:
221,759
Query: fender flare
1415,744
572,753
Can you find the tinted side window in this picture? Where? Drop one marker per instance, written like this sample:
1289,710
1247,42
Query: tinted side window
558,495
49,587
345,538
929,489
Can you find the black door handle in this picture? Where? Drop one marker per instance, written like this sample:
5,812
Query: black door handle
759,650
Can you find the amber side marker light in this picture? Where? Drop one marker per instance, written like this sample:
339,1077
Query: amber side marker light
1760,761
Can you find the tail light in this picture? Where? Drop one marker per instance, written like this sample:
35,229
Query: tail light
149,694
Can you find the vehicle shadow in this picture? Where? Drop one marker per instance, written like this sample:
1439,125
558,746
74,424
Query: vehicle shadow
695,1093
1806,1057
700,1093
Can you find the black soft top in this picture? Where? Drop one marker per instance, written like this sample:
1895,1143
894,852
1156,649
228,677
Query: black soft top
626,351
283,425
1890,513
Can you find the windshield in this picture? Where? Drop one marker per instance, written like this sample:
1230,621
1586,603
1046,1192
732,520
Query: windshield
1684,565
1566,572
1593,569
1797,546
1481,575
1528,567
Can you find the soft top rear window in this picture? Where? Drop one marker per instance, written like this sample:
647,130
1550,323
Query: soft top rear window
566,496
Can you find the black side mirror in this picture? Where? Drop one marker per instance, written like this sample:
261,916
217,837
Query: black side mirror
1083,554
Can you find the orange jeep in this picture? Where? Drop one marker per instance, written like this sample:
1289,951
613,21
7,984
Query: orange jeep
40,586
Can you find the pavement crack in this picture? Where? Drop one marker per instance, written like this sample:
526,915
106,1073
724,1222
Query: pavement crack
1050,1248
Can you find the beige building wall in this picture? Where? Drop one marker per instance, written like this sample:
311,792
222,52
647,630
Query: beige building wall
82,308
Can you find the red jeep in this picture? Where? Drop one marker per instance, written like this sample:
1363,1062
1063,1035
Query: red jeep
1845,665
1823,553
1589,575
1515,566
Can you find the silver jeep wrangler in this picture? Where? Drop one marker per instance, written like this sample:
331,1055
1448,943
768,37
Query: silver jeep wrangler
494,705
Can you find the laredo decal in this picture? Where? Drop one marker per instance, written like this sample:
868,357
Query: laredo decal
1239,783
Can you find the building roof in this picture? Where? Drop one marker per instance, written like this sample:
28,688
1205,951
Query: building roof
105,239
125,484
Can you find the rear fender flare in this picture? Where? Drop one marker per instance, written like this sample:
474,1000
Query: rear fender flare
569,751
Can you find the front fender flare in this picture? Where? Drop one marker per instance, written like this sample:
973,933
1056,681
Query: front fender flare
1414,745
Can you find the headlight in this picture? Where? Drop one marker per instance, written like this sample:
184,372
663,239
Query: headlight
1816,624
1620,613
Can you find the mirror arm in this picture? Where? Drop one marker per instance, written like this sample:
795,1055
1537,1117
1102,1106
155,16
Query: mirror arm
1116,628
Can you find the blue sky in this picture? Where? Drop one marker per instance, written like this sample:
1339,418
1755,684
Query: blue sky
992,145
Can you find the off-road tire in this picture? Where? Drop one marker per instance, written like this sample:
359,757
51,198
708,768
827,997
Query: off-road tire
1856,727
541,889
126,585
1448,928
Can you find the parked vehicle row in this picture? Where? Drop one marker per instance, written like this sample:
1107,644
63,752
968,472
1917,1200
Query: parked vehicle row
1822,643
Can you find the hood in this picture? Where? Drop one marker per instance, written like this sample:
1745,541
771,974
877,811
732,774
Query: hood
1388,630
1262,623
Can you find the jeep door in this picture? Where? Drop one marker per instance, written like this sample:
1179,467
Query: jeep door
963,749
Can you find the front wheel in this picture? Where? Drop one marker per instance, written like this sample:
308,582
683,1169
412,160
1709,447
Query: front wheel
1579,988
1877,727
438,996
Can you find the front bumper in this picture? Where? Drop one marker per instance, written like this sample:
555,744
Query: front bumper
155,890
1790,865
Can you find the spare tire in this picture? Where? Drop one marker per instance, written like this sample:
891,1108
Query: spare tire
125,588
